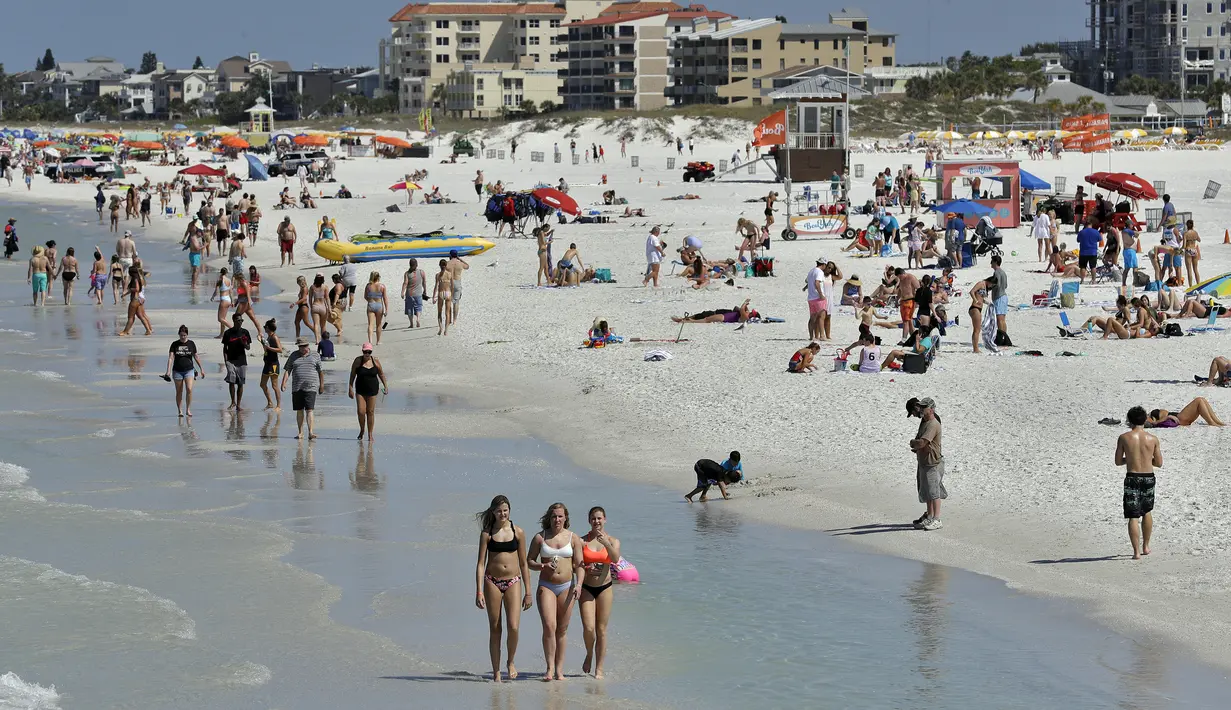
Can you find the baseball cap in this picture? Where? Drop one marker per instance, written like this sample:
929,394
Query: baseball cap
367,347
821,261
128,233
915,403
452,253
300,342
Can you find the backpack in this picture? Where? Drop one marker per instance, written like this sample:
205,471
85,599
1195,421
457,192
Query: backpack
1002,340
1172,330
1140,279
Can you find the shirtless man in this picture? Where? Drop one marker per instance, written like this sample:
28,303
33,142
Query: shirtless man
457,266
286,241
1140,452
126,249
195,247
907,286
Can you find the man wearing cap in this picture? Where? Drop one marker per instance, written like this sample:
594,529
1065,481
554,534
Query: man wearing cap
236,341
654,247
930,473
456,266
300,367
126,250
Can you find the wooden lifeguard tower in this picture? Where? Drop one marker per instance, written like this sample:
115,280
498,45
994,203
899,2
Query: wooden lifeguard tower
260,117
818,130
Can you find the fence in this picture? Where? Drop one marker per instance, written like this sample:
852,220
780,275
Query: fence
859,170
491,154
500,155
1160,186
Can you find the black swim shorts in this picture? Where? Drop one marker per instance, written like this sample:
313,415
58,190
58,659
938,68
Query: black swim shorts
1138,496
303,400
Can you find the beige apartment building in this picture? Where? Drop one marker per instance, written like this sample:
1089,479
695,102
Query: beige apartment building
432,40
487,93
727,61
621,59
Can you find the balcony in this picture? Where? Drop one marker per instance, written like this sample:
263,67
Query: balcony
469,45
739,68
420,29
468,29
739,49
626,50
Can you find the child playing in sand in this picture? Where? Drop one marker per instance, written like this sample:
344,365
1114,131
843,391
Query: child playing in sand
324,347
710,473
801,361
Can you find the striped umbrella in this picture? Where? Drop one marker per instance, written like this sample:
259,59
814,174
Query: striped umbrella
949,136
1016,135
985,135
1175,131
1054,133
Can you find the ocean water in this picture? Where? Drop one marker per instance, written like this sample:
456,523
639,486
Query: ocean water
147,561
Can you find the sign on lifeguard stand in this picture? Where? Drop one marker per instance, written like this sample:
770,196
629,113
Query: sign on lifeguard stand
260,117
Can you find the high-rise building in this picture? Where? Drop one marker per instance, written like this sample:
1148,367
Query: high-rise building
1167,40
430,40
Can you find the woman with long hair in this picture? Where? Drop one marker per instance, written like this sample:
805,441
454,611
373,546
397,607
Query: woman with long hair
222,291
554,554
68,274
499,577
136,301
272,347
378,305
442,296
337,304
599,552
367,379
302,313
318,300
243,297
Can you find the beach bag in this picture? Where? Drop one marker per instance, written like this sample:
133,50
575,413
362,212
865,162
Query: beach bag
1068,300
1140,279
1002,339
602,275
944,262
1172,330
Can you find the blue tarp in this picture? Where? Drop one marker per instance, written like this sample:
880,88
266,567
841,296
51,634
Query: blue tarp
1033,183
256,169
179,127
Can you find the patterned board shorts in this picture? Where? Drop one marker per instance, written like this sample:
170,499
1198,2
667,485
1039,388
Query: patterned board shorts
1138,496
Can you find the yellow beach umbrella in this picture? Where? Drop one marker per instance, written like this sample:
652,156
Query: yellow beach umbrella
1053,133
925,135
1175,131
1131,134
985,135
1015,135
949,136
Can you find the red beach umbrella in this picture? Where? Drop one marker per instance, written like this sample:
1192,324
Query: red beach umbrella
555,198
203,170
1127,184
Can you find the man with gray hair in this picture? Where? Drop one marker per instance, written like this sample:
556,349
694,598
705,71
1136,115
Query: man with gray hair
930,474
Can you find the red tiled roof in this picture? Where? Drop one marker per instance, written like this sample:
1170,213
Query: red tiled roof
616,19
437,8
627,8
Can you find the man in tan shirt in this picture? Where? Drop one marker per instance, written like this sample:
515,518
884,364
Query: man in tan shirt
930,474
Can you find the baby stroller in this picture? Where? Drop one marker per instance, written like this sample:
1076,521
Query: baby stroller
987,239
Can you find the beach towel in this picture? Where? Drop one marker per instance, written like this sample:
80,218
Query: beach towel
988,330
657,355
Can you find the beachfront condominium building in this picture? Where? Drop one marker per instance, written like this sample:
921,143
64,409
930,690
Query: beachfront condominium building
727,61
431,40
488,93
1188,43
620,59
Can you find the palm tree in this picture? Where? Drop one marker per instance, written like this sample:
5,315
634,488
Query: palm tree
438,95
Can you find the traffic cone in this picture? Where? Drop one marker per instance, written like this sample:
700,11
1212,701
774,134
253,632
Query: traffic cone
1226,236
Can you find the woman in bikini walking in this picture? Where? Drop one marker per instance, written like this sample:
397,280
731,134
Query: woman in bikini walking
599,550
442,296
554,554
498,577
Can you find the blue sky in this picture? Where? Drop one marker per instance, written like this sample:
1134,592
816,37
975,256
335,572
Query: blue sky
338,34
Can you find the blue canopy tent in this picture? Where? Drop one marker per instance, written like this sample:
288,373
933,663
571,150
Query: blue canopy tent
29,134
1033,183
256,169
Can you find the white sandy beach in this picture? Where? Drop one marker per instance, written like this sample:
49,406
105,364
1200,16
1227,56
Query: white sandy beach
1030,472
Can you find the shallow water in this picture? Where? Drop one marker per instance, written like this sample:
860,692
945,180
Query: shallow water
149,562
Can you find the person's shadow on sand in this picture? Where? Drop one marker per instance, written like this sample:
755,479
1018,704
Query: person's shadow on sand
1068,560
873,528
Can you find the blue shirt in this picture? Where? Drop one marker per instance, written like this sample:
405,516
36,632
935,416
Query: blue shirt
325,347
957,225
889,223
1168,210
1089,239
728,466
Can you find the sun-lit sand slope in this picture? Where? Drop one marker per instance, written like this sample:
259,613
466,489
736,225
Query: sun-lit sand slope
1030,471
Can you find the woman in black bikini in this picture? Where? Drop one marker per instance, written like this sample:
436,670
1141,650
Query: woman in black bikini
598,553
976,316
68,273
269,366
498,578
367,379
300,306
722,315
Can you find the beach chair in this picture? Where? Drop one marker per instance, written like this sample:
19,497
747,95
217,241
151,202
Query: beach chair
918,363
674,264
1066,327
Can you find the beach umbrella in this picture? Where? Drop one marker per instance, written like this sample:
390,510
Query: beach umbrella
86,163
964,207
63,147
1217,286
1054,133
203,170
146,145
236,142
404,186
179,127
1125,184
43,143
102,149
29,134
949,136
1175,131
1015,135
317,140
393,141
1129,134
1033,183
985,135
554,198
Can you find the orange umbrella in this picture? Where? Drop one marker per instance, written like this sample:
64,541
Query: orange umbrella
311,140
146,145
43,144
235,142
393,141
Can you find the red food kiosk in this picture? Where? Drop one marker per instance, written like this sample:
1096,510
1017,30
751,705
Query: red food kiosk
999,184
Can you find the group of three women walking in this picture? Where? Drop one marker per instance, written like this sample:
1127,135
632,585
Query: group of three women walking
572,569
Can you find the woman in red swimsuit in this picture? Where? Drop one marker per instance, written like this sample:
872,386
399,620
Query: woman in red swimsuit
597,554
498,576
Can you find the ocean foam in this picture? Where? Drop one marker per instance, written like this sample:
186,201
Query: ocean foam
248,673
183,627
103,434
17,694
143,454
12,475
46,375
20,333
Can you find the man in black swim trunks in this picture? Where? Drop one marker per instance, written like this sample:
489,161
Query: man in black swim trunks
1140,452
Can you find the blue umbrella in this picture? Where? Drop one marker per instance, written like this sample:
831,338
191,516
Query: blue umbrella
963,207
1033,183
180,127
29,134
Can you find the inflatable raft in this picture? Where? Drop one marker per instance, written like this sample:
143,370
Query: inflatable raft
424,248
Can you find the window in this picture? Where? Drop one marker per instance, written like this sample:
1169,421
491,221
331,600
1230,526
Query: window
442,24
536,58
1209,7
1184,34
1209,31
478,100
886,61
1222,30
1222,54
756,63
442,41
816,44
756,101
756,83
534,24
756,44
534,39
478,84
885,42
442,59
523,24
835,45
470,57
782,64
554,23
523,41
508,99
781,45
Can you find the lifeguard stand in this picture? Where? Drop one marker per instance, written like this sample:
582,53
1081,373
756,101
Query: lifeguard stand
260,117
818,131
